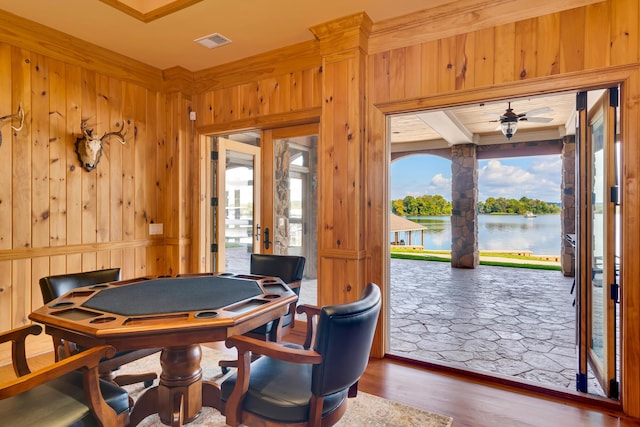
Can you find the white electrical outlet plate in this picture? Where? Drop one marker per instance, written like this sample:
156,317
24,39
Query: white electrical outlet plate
155,229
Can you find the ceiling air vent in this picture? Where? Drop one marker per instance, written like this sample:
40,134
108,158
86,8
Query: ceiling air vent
213,40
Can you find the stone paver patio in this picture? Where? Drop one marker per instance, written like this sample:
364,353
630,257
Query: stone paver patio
510,321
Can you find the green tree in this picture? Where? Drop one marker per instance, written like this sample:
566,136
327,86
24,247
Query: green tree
425,205
397,207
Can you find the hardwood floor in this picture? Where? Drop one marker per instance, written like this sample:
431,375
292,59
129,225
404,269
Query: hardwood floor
475,401
472,402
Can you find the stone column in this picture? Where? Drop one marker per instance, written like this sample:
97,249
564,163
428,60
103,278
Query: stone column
567,254
282,197
464,218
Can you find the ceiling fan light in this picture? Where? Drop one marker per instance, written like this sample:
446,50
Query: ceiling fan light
509,128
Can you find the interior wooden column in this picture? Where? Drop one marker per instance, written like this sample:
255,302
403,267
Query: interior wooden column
182,172
341,197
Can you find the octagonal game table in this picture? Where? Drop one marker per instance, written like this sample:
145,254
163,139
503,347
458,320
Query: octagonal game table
176,314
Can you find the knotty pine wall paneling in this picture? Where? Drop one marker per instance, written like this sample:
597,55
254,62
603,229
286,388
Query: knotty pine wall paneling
55,217
181,167
341,185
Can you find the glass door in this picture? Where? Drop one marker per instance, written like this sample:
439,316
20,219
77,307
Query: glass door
290,200
236,205
598,242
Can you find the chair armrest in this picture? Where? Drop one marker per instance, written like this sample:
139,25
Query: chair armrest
87,359
294,285
18,337
87,362
309,310
312,312
247,345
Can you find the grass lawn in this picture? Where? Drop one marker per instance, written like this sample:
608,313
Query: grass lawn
500,259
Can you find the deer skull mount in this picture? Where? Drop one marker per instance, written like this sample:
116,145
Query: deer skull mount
89,147
17,116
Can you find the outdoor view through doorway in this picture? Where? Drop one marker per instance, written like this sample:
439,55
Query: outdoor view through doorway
510,321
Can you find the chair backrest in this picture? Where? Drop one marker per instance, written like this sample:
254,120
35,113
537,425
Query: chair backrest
344,337
289,268
53,287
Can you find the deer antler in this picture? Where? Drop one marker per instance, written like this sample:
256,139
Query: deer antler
19,114
118,134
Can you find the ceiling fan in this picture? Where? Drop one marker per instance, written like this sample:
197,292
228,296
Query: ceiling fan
509,120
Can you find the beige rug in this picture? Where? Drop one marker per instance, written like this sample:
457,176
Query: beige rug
365,410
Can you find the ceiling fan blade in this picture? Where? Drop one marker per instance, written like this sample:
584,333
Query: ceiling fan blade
537,119
538,111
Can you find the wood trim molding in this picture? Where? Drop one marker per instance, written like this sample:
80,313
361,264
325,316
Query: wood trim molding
584,80
459,17
38,38
300,56
272,121
178,79
350,32
27,253
152,15
342,254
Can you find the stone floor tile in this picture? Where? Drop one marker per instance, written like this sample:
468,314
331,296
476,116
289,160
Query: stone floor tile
511,322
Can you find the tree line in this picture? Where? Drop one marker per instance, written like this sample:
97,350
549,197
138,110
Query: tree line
437,205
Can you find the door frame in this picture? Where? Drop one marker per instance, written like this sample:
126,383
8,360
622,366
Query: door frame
269,137
220,216
622,76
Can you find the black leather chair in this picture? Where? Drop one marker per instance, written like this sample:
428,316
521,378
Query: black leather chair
55,286
289,269
67,393
291,385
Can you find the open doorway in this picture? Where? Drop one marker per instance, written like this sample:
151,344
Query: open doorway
484,314
261,197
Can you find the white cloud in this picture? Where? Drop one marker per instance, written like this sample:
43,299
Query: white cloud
541,180
533,177
440,185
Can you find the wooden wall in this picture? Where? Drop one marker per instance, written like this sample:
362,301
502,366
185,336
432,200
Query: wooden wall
55,217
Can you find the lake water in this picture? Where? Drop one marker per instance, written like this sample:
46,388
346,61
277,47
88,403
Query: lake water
541,235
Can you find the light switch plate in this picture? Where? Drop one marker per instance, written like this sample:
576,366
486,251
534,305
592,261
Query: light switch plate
155,229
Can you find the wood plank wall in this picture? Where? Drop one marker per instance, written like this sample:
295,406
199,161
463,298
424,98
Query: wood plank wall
55,217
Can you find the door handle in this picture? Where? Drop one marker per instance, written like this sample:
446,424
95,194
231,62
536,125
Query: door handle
266,240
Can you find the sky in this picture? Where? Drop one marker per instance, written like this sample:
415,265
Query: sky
536,177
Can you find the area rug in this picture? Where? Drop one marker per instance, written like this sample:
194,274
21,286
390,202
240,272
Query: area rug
366,410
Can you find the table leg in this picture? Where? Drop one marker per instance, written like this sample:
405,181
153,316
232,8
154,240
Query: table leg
182,375
145,405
